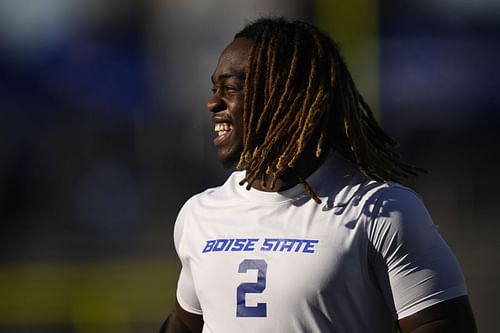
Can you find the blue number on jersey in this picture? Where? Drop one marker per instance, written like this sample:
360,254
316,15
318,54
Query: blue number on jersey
242,310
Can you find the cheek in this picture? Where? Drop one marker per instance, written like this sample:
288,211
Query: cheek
237,114
239,128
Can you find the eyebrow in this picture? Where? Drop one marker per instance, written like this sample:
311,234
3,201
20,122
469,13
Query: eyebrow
227,75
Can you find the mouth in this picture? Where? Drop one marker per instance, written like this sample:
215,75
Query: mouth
222,130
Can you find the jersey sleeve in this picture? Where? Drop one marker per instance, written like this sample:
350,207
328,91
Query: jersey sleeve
186,293
412,264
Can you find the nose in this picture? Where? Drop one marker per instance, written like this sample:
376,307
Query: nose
216,104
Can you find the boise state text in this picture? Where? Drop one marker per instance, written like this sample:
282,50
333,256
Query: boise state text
257,244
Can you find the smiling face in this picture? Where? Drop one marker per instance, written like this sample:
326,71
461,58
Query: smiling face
226,104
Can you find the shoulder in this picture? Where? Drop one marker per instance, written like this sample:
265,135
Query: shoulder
343,185
228,191
397,208
206,203
398,203
400,226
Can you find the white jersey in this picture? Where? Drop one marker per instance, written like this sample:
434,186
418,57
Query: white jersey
256,261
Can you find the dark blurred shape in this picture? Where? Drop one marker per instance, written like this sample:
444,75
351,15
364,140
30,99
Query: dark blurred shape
439,82
69,100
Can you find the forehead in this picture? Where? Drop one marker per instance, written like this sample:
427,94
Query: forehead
234,58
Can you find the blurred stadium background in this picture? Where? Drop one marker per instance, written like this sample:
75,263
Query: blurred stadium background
104,135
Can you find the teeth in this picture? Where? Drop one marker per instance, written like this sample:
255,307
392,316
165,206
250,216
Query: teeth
220,133
222,128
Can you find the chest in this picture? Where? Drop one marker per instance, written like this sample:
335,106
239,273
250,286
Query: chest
268,261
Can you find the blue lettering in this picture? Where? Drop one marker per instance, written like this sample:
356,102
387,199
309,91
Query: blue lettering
309,246
219,245
287,245
267,245
250,244
299,244
209,246
277,241
239,244
229,243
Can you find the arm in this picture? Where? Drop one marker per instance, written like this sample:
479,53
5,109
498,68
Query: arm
418,274
454,315
181,321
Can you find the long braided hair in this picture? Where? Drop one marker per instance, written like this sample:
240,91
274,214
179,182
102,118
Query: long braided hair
299,92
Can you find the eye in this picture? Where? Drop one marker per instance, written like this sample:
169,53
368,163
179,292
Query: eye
225,90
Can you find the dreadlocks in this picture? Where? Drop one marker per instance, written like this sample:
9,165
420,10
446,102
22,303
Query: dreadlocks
299,92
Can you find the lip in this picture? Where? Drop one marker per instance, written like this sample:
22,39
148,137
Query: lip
220,139
219,118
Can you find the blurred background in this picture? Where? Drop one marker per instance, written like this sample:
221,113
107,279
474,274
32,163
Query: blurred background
104,134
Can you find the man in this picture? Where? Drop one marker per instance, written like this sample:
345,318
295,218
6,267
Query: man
311,234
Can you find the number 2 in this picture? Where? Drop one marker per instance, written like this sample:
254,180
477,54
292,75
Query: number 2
260,310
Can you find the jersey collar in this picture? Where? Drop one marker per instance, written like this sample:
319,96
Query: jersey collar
335,182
